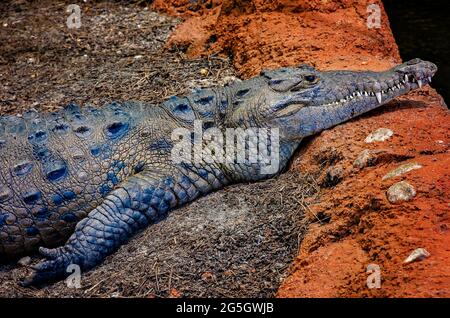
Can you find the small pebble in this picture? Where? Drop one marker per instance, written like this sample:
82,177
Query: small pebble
381,134
417,255
362,160
24,261
208,276
229,80
137,57
401,170
401,191
367,158
204,72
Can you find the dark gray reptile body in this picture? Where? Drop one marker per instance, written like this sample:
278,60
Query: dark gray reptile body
91,178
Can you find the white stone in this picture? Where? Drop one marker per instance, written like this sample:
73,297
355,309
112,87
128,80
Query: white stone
381,134
417,255
24,261
400,191
367,158
401,170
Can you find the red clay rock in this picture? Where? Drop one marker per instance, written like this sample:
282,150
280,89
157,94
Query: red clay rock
278,33
359,225
320,270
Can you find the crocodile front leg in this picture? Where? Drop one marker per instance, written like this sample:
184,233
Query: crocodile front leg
143,199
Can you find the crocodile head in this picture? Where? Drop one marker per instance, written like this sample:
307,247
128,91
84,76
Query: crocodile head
303,101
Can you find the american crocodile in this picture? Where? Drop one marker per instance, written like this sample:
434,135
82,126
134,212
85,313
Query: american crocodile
78,183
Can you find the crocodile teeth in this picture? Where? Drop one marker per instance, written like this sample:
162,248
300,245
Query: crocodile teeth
420,83
429,79
378,95
406,77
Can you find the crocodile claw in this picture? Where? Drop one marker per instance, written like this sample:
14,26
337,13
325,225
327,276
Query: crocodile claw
52,269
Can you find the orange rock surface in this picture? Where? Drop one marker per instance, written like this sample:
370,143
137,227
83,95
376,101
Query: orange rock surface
353,224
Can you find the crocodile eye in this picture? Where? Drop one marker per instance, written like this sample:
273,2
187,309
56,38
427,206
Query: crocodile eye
310,78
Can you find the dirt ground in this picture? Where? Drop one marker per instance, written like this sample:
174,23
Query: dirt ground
330,210
117,53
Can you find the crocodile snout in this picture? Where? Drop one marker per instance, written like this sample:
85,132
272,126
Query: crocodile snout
416,71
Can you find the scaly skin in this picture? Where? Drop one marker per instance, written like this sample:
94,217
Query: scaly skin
91,178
